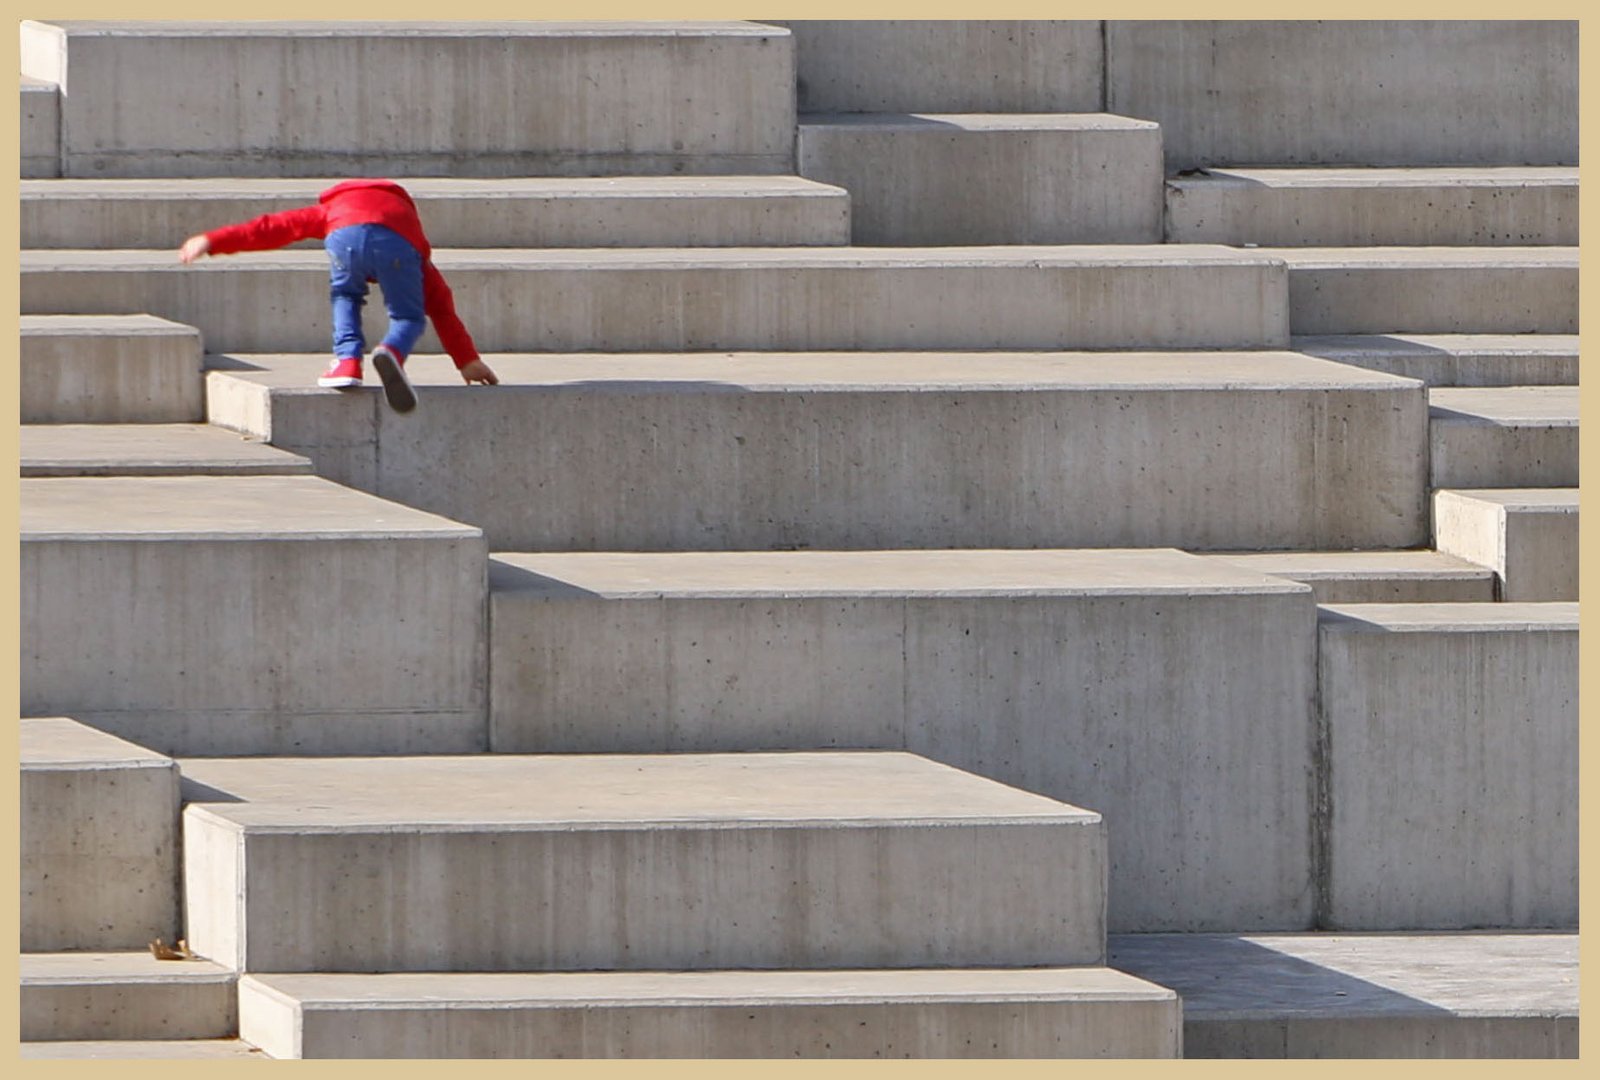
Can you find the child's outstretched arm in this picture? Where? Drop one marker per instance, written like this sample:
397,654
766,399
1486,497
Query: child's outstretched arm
440,304
258,234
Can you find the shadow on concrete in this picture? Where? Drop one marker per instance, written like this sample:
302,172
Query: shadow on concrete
515,578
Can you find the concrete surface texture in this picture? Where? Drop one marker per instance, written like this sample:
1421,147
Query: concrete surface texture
1086,1012
1379,207
99,836
854,451
136,1049
1503,437
1450,736
1090,676
1528,536
1350,92
1008,178
99,369
87,995
625,862
679,299
1455,359
150,450
41,128
1366,995
530,212
484,99
1365,577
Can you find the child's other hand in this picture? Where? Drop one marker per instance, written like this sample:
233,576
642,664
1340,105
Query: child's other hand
193,248
477,371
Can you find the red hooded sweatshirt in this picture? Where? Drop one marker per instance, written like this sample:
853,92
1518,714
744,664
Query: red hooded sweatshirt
358,202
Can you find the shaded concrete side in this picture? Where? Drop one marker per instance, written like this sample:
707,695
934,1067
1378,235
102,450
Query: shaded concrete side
1441,299
1426,1036
1477,451
41,128
99,996
105,374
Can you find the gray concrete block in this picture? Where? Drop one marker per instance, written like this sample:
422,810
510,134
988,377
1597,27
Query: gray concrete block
1091,675
948,65
41,128
1527,536
150,450
654,453
109,369
1456,359
477,99
1009,178
1374,577
1420,290
688,300
68,997
1375,207
251,615
99,835
533,212
639,863
1504,437
1024,1013
1450,737
155,1049
1366,995
1350,92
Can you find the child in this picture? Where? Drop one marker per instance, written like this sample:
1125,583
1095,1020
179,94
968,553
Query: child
372,233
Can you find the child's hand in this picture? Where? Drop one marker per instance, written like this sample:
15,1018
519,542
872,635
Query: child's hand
477,371
193,248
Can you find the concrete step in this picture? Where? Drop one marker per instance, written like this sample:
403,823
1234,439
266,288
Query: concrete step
479,98
640,863
1456,359
99,834
157,1049
948,65
990,178
1450,736
1366,995
532,212
150,450
852,450
1350,92
1431,290
1089,676
1504,437
110,369
1364,577
1089,1012
41,128
1364,207
1527,536
79,996
249,615
692,299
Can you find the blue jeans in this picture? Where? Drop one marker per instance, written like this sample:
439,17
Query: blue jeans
357,254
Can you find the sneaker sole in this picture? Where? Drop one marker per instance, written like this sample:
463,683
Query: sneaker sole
340,383
396,387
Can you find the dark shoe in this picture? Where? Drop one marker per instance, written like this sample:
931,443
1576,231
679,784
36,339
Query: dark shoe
396,387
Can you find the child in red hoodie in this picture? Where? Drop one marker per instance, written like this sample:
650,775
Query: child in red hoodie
372,233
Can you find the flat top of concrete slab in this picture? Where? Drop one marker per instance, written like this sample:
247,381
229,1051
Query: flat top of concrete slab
60,742
65,969
1555,405
1564,500
1554,345
1285,976
1409,258
1465,618
1447,176
665,989
218,507
977,122
811,372
1319,565
168,446
494,29
1021,573
154,1049
576,791
103,326
434,187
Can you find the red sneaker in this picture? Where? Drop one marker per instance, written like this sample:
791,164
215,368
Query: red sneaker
391,368
344,372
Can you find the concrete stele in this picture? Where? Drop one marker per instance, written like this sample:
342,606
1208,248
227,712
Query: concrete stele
1503,436
41,128
1527,536
75,996
99,369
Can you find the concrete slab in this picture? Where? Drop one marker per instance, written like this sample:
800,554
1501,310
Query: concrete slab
1366,995
1357,207
99,835
140,1049
77,996
150,450
1431,290
41,128
1093,676
971,1013
109,369
531,212
1527,536
633,862
1455,359
166,582
1503,437
1192,296
1450,733
990,178
509,98
1363,577
1350,92
860,451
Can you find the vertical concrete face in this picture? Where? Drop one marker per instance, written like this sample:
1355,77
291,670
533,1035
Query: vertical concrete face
88,369
1350,92
125,995
41,128
1451,753
1503,437
1527,536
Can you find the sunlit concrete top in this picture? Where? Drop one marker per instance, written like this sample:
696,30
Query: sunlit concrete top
1448,618
494,29
61,742
1553,405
